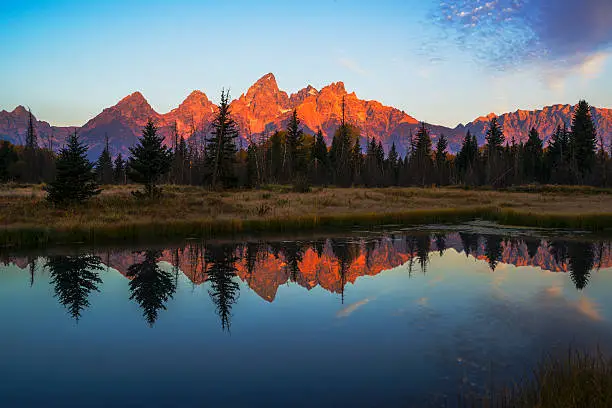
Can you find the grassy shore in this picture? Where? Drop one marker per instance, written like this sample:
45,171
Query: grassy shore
578,380
185,211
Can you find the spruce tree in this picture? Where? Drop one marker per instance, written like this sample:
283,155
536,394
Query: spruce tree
392,165
30,153
75,180
583,142
422,156
441,160
295,146
221,147
8,157
104,166
119,171
494,141
532,156
150,161
320,159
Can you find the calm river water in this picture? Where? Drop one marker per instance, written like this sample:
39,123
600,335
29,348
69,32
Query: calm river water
385,318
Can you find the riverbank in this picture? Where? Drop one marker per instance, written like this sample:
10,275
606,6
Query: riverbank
187,211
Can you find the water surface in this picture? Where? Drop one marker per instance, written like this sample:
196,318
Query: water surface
403,318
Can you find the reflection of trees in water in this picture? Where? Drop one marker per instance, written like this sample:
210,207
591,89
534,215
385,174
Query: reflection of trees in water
469,242
150,286
440,239
423,246
73,278
580,262
345,252
493,250
293,256
532,247
224,288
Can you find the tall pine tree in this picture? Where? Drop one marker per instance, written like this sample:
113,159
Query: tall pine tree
150,161
221,147
75,180
104,166
583,141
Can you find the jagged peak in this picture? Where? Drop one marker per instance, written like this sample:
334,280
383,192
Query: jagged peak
134,97
336,87
196,95
268,80
20,110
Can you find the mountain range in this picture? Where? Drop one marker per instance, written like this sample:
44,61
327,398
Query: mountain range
265,108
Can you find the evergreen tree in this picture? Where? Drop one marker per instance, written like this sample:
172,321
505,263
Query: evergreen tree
493,147
119,171
295,146
150,161
532,156
221,148
558,156
30,153
104,167
340,153
8,157
423,163
252,176
441,160
393,165
356,161
583,141
320,159
75,180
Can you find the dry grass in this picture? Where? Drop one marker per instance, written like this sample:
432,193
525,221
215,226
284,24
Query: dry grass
26,219
579,380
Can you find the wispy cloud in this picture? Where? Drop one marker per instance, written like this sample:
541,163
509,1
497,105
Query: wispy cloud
352,65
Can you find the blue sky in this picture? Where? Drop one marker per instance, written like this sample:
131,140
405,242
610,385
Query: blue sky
443,62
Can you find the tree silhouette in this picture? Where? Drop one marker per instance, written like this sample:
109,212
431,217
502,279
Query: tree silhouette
73,278
423,244
221,147
493,250
469,242
293,257
580,262
532,246
440,238
150,161
75,180
224,289
150,287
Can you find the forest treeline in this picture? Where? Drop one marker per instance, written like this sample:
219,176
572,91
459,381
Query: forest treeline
574,155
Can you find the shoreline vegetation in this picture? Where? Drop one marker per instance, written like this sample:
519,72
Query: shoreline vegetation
579,379
115,216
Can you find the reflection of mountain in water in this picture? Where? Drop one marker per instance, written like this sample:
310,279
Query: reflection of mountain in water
333,263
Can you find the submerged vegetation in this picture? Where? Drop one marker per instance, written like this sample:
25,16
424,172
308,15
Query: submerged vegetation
183,211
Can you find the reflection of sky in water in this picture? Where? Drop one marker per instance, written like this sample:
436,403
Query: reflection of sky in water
395,339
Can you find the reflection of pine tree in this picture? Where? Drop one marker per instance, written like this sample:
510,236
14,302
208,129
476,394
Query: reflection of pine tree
469,243
440,238
151,287
558,250
224,289
493,250
580,263
532,246
293,257
345,253
74,277
423,247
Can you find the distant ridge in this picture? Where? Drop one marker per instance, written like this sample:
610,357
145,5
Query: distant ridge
265,108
